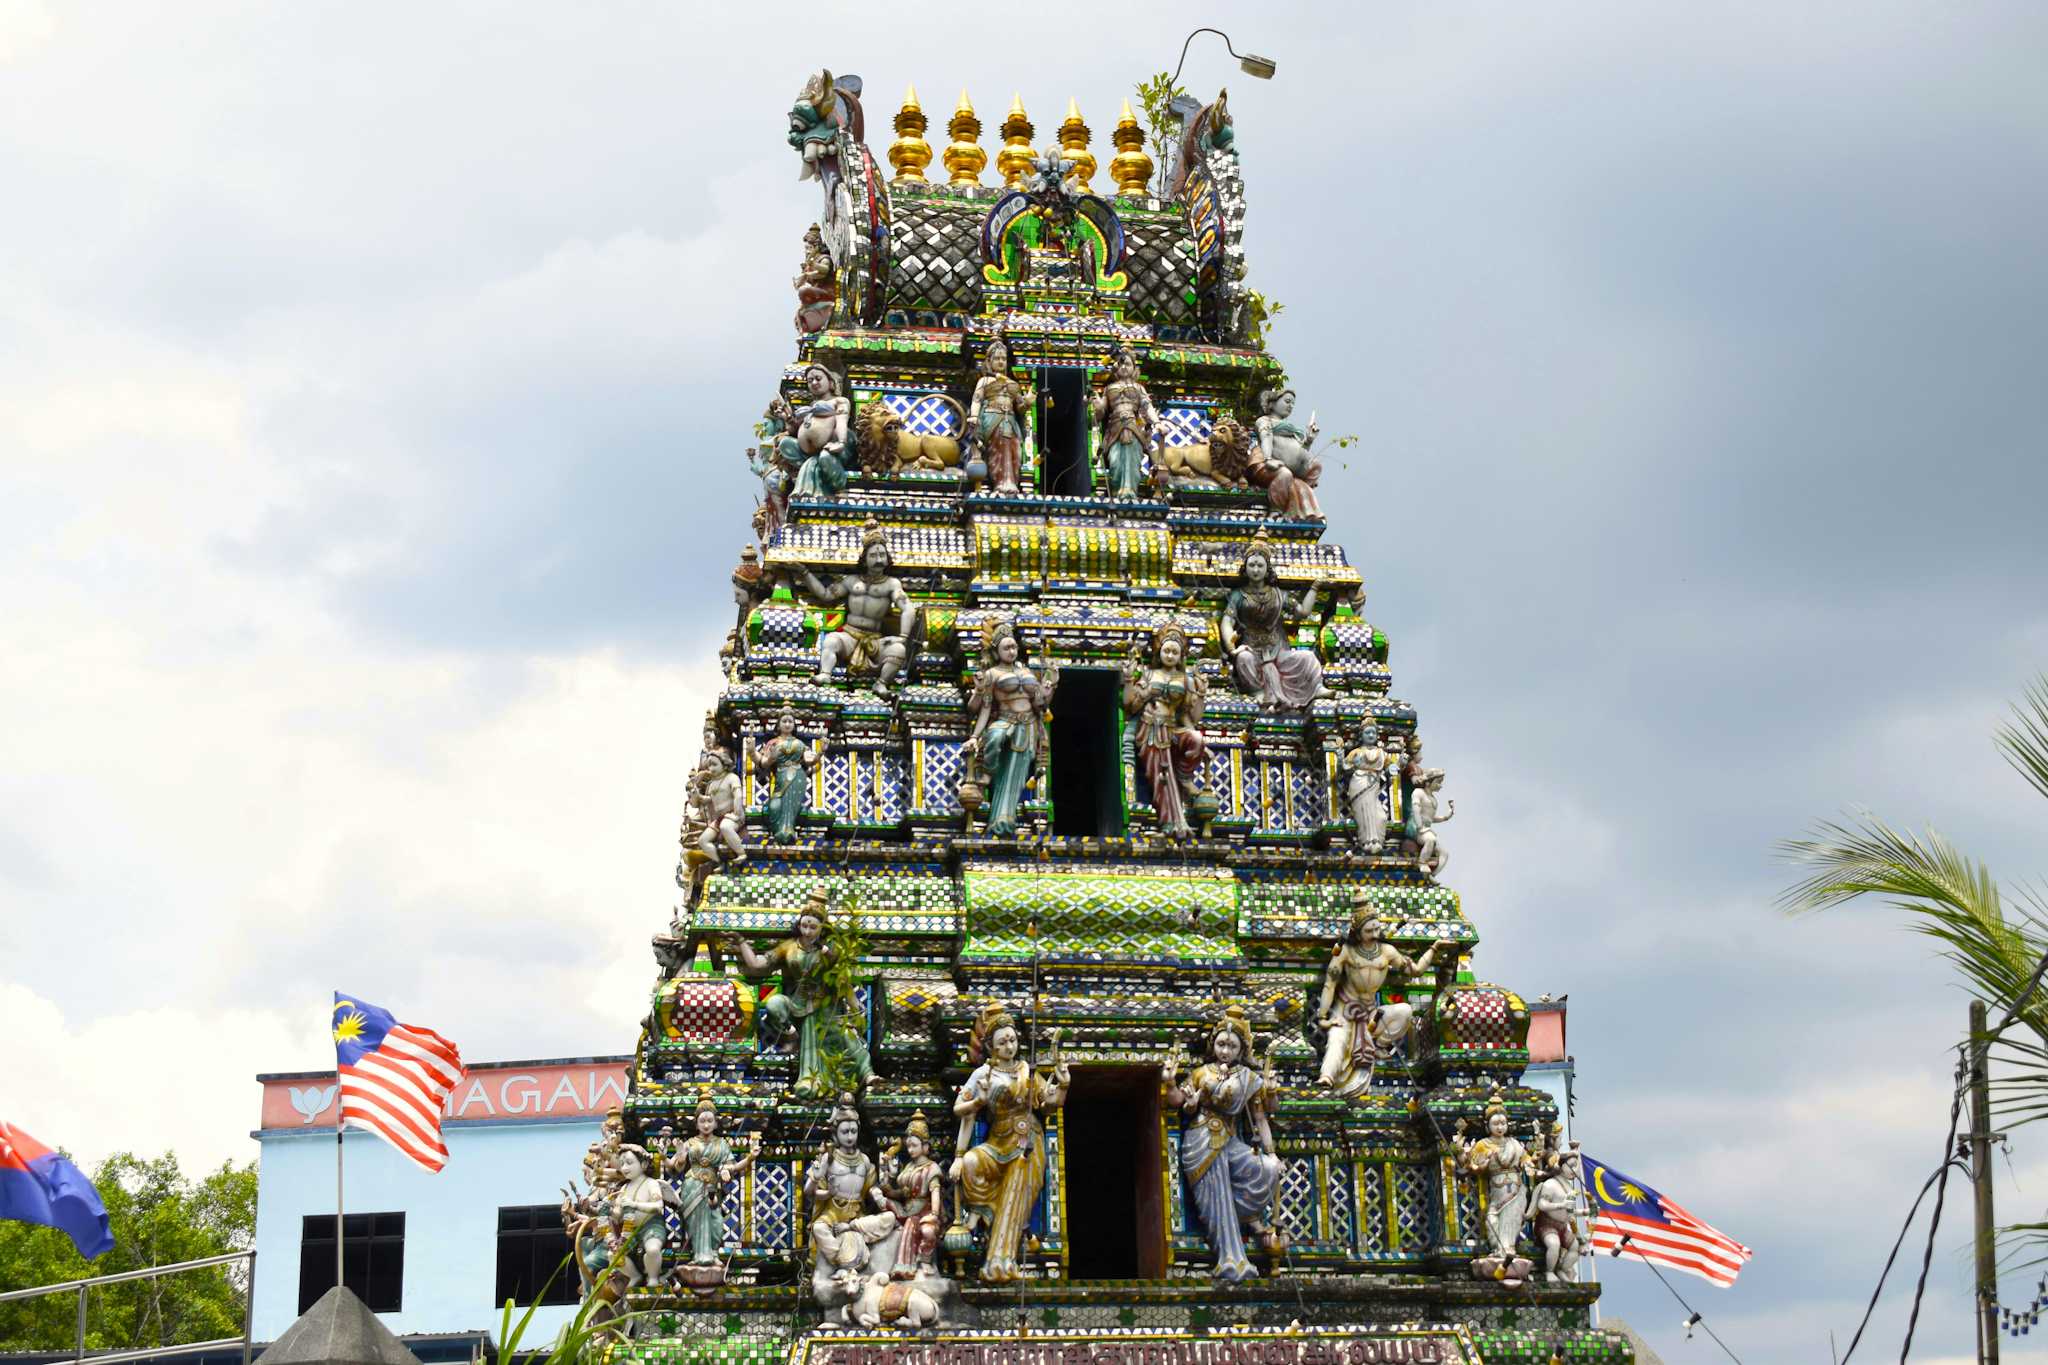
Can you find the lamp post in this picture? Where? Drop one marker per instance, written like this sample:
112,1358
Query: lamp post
1253,64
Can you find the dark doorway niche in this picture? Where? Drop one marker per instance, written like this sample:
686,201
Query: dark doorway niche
1063,433
1116,1217
1087,761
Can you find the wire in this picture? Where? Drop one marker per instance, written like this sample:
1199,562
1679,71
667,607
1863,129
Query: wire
1955,1110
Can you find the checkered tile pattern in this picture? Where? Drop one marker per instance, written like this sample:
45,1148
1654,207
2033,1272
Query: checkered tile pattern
1483,1018
1297,1203
1415,1206
936,263
706,1009
1343,1223
773,1215
945,762
926,414
1160,260
1375,1240
1185,426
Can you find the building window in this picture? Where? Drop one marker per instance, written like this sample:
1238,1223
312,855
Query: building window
531,1248
372,1258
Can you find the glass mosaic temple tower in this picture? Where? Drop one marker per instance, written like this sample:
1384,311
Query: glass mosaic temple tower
1051,698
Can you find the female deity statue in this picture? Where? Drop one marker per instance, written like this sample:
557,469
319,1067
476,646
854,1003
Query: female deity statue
1230,1183
1257,623
709,1166
1364,770
1283,463
998,415
817,285
914,1189
805,1003
1130,427
1166,698
636,1213
820,440
1000,1179
789,761
1008,739
1503,1163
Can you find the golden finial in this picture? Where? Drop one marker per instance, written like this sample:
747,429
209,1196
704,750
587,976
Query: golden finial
910,153
1015,157
1130,167
963,157
1074,144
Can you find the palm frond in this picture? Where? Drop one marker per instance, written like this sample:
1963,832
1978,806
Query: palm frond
2024,739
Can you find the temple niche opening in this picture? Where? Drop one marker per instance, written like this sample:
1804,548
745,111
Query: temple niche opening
1063,945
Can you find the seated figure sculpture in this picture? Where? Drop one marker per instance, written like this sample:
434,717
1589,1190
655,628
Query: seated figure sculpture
1257,624
818,446
849,1213
874,601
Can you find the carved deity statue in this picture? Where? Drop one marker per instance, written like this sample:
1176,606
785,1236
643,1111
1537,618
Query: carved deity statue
636,1216
788,761
849,1215
872,599
1554,1214
1364,771
1258,621
1165,698
999,1179
1230,1180
1503,1163
720,813
806,1004
817,286
1009,736
708,1167
914,1189
1130,427
1423,818
999,417
1281,462
818,447
773,458
1362,1030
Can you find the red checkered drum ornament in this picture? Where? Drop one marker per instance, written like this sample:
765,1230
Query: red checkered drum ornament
697,1008
1481,1016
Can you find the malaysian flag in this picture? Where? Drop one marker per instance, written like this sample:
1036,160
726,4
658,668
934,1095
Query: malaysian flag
1645,1226
394,1079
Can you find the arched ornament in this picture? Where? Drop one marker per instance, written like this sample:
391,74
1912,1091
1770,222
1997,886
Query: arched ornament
1018,220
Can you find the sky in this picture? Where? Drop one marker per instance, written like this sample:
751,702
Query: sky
375,381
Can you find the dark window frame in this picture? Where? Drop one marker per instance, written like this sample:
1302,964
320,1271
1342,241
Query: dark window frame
372,1253
531,1246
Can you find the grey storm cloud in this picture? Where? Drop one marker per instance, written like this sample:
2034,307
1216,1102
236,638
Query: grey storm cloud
1694,356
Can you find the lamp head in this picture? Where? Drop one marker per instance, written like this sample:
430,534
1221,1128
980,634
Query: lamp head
1255,65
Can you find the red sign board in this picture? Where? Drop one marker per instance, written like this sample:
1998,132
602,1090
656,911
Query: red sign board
546,1091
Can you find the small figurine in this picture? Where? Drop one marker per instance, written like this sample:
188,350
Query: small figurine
871,598
1166,700
1503,1164
1000,1179
817,287
999,415
721,810
708,1167
587,1219
1555,1215
840,1186
914,1189
774,459
636,1216
1009,738
1364,770
1361,1030
1422,840
1281,462
1123,410
1229,1183
820,437
789,762
873,1301
750,587
1256,626
805,1003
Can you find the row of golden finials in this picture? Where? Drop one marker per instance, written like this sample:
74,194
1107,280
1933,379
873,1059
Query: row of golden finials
964,159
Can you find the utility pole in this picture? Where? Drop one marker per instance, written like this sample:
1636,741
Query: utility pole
1980,1173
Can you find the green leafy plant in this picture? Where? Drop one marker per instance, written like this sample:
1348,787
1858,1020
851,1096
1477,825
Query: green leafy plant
845,946
1260,312
581,1332
1155,100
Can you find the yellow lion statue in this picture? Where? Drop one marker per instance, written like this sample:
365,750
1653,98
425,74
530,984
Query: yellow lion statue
886,448
1222,459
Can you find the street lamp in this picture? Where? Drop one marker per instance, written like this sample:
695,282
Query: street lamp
1253,64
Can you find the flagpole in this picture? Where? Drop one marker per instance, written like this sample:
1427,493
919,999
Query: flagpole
337,1201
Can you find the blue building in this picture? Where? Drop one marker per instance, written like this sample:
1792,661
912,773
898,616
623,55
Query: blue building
433,1254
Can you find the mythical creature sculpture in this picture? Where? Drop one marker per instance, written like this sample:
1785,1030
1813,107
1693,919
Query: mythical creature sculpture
1503,1163
1554,1214
1423,818
1257,623
788,761
1123,410
806,1004
1360,1029
1281,463
999,415
1165,697
1230,1180
999,1180
1364,771
708,1166
842,1188
1221,461
824,109
818,448
914,1189
872,597
1009,737
817,286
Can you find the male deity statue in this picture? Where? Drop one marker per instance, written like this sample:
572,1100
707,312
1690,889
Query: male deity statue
874,601
840,1186
1554,1214
1423,818
1130,427
1361,1029
718,811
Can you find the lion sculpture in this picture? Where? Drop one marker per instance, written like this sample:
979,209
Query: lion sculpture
886,448
1220,460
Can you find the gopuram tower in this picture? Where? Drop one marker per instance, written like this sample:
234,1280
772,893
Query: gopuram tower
1064,973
